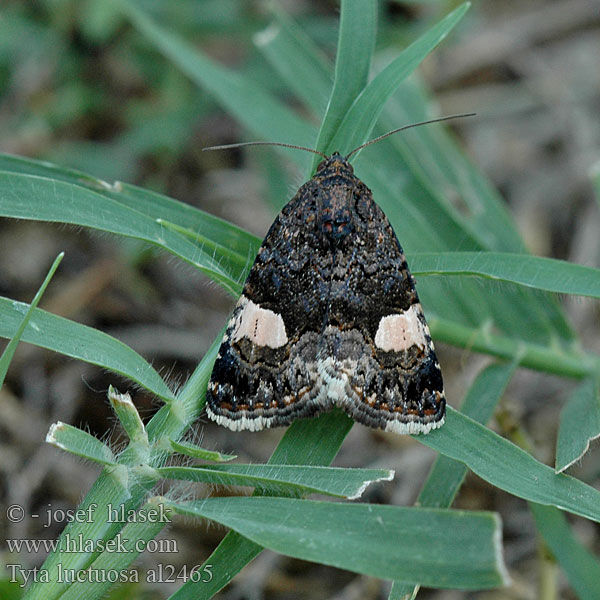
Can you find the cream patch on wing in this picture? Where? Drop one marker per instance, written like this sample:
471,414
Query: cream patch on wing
400,332
261,326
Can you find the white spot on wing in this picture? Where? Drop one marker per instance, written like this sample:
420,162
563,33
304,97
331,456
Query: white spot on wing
400,332
261,326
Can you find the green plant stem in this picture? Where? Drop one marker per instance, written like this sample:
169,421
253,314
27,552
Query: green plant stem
128,482
534,356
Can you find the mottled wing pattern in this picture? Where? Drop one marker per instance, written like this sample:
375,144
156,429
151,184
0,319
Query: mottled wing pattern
264,374
329,315
378,356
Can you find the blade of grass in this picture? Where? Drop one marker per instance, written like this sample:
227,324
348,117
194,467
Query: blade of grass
81,342
11,347
201,453
360,119
581,566
79,442
305,442
207,228
506,466
356,43
438,548
536,272
579,424
288,479
41,199
572,363
119,485
447,475
258,110
297,60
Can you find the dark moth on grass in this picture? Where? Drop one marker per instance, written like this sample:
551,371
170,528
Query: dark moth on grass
329,316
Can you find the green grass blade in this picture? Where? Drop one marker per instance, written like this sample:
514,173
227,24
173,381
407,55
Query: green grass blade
305,442
227,239
298,61
41,199
11,347
201,453
133,537
356,43
509,468
228,559
116,486
438,164
79,442
438,548
581,566
284,479
579,424
255,108
84,343
364,112
550,359
446,475
424,171
536,272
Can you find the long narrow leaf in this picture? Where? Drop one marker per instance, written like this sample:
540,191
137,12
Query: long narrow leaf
41,199
305,442
291,479
579,424
364,112
219,234
356,42
446,474
537,272
509,468
81,342
438,548
580,565
260,112
11,347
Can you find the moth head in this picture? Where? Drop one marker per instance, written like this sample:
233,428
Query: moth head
336,164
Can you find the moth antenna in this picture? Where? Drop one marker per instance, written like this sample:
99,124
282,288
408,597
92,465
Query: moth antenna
381,137
241,144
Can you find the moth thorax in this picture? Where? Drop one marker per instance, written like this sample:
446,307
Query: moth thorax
336,205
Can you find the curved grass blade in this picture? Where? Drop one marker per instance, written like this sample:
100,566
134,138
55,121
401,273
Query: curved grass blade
447,475
360,119
255,108
226,238
194,451
509,468
565,362
41,199
297,60
81,443
305,442
437,548
537,272
293,480
579,424
11,347
581,566
356,43
84,343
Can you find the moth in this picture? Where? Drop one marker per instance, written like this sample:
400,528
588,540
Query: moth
329,316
